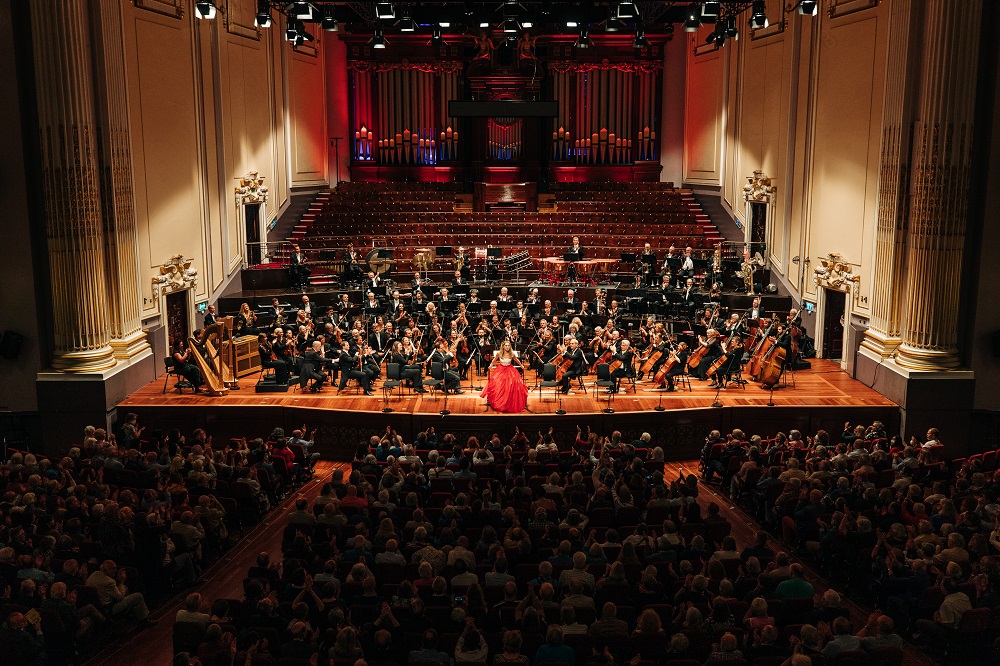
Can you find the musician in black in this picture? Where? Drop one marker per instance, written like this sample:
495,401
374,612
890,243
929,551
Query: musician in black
681,354
297,269
714,352
410,368
577,250
417,282
269,359
573,354
350,368
378,340
312,368
352,269
647,265
627,368
417,303
373,282
458,280
755,312
572,305
441,355
370,363
210,317
687,264
481,347
184,367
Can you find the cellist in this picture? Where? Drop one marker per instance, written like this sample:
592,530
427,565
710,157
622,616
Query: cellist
709,351
574,356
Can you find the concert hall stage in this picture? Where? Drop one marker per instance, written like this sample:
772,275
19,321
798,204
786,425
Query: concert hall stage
822,397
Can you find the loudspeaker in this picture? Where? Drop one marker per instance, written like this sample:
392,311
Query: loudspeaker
10,344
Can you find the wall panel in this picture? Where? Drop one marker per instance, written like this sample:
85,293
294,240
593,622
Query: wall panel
306,99
704,103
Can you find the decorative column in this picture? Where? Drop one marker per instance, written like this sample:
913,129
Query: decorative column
71,186
939,183
889,278
114,150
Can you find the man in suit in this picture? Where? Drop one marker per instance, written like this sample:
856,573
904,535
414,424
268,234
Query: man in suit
575,354
297,268
519,312
306,306
627,369
349,369
441,355
417,281
373,282
396,301
352,270
756,312
647,265
210,317
378,340
571,303
458,280
312,368
688,295
577,250
504,297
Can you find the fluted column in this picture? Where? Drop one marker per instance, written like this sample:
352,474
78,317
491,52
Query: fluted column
115,159
889,278
939,183
71,186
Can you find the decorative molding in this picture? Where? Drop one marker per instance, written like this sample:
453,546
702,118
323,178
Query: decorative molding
835,273
839,8
175,275
252,190
236,27
759,188
171,8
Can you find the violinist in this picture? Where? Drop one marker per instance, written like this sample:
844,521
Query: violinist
626,358
459,348
509,332
411,370
710,350
350,368
681,355
573,355
549,346
441,355
268,359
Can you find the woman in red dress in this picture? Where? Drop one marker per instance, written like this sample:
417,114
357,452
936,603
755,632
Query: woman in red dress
505,390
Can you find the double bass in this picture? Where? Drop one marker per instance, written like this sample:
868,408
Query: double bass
760,349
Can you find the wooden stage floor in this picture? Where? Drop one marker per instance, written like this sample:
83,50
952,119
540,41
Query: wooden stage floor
825,384
822,397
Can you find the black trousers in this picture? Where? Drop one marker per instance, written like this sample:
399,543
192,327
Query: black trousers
190,372
451,380
307,374
280,370
362,377
568,377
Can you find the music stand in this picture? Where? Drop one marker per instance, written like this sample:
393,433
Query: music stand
628,257
475,309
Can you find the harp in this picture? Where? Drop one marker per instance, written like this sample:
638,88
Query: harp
213,351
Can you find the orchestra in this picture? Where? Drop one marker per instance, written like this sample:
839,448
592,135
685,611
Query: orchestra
673,319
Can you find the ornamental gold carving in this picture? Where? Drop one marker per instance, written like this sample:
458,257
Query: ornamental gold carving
251,190
758,188
835,273
175,275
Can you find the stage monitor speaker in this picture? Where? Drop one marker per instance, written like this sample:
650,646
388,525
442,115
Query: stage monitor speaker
10,344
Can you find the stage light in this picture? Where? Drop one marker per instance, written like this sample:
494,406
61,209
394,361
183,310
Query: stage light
808,7
710,9
384,11
436,35
758,15
378,41
583,41
692,22
303,11
329,22
292,29
406,24
510,26
571,24
640,41
710,38
484,24
731,31
627,10
263,18
204,9
444,24
528,24
720,40
614,24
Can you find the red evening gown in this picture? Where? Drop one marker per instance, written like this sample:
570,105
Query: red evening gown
506,391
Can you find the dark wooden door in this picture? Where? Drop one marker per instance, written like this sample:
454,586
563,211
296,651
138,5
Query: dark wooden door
177,317
252,214
758,227
834,316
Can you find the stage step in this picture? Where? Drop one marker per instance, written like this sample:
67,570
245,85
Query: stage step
265,386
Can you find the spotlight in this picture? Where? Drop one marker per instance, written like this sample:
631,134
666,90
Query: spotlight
484,24
303,11
204,9
263,18
384,11
692,22
731,31
758,15
711,38
627,10
292,29
407,24
436,35
808,7
640,41
710,9
528,24
378,41
329,22
571,24
583,42
444,24
510,26
720,40
614,24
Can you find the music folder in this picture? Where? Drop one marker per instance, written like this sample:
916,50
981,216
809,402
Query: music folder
571,256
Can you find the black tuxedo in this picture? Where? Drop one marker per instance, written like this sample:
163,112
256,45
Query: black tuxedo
451,378
312,368
210,319
680,368
297,269
267,361
574,370
627,368
378,341
349,370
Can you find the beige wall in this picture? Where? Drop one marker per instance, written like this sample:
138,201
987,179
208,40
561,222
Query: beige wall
802,101
210,101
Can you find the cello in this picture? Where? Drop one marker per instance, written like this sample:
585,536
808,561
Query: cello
761,348
733,346
672,361
699,354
